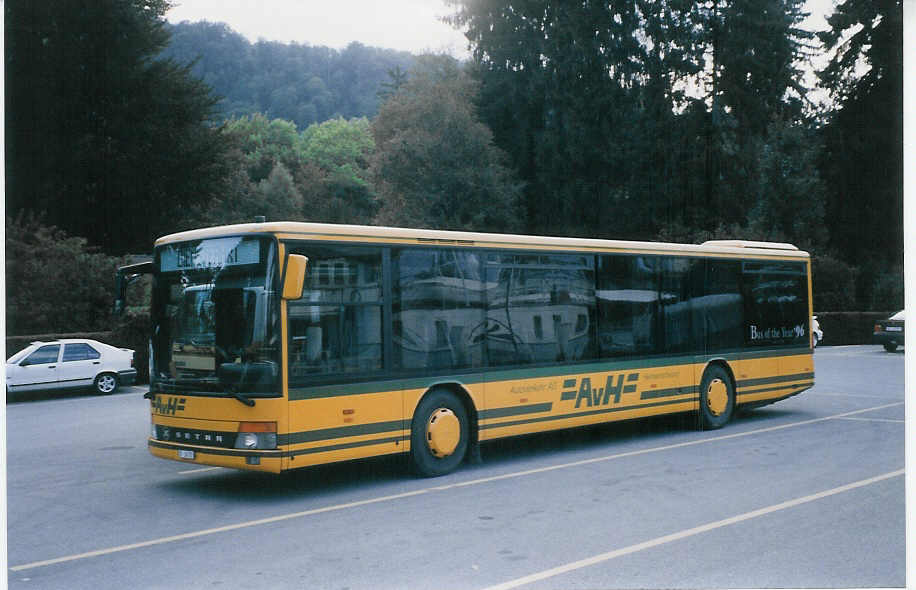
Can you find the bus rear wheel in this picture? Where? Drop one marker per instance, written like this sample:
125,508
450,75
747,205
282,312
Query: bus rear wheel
717,398
438,434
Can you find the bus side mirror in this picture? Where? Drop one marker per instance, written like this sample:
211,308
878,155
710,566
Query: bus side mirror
125,276
294,281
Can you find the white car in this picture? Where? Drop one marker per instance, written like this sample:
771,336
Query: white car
71,363
816,330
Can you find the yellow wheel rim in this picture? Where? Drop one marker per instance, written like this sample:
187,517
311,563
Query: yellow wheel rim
717,397
443,432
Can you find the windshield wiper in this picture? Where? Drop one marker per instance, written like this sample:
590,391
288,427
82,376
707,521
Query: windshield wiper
245,400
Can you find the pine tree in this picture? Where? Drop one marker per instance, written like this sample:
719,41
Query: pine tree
104,138
863,158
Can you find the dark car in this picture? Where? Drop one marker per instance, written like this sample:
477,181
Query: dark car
889,332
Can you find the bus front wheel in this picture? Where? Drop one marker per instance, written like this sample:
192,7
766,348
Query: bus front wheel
717,398
438,433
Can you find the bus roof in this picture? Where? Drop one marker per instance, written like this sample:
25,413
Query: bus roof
395,235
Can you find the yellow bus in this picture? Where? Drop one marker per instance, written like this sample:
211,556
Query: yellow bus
276,346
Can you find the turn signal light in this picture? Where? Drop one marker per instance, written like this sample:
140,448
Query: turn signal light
257,426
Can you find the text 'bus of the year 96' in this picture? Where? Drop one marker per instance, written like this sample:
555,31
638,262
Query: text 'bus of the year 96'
276,346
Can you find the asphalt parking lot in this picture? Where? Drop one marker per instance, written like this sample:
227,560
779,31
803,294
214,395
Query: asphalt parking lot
808,492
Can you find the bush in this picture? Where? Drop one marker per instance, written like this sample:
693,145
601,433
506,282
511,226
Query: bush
887,290
833,284
55,282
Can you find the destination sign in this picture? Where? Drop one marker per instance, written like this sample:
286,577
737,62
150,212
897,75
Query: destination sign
216,253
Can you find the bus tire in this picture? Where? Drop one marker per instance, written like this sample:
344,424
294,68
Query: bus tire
439,434
717,398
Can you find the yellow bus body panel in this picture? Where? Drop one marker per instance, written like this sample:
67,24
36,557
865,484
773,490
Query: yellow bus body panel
343,427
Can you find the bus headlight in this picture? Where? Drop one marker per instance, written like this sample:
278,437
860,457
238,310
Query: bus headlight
257,435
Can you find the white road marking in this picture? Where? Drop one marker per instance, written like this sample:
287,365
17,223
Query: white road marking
213,531
596,559
873,420
337,507
837,394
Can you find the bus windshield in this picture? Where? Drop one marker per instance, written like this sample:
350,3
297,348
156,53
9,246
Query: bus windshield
215,318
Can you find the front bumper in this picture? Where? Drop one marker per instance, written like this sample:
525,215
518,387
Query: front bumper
261,460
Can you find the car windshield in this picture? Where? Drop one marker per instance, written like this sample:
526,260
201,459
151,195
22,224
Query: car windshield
897,316
19,355
215,318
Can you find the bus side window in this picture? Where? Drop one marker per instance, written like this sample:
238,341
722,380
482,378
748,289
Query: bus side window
721,307
437,307
677,305
336,326
775,303
540,308
627,295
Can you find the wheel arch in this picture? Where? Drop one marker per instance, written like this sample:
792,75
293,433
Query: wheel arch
720,362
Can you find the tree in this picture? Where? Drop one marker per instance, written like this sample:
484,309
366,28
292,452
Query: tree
435,164
299,83
278,195
320,174
625,118
266,143
788,195
338,153
396,80
862,162
102,136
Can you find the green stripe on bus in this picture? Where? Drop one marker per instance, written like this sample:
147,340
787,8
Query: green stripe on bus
587,413
657,393
515,411
772,380
294,438
352,445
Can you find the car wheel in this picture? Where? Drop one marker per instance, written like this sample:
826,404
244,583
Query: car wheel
717,398
890,346
438,434
106,383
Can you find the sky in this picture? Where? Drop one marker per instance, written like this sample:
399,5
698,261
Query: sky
408,25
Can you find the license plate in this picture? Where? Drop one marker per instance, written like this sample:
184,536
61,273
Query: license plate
894,329
182,454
